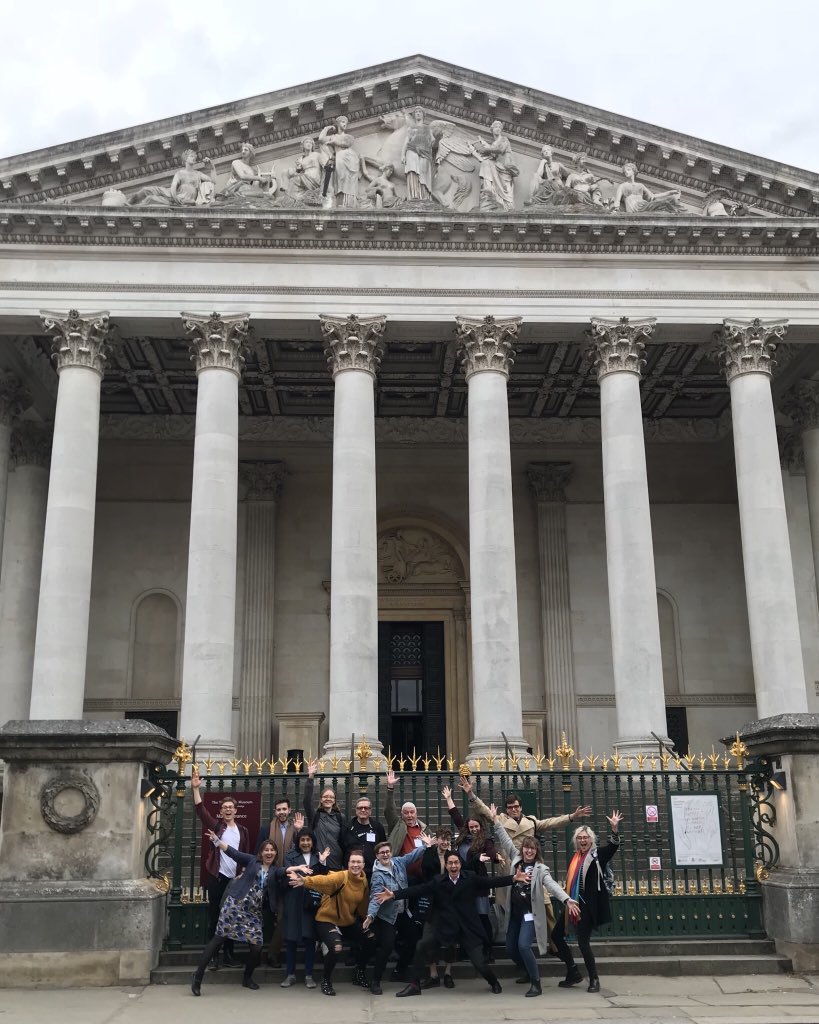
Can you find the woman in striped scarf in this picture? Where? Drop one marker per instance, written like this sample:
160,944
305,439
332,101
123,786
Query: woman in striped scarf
584,883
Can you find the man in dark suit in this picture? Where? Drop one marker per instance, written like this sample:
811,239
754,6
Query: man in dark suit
282,830
452,896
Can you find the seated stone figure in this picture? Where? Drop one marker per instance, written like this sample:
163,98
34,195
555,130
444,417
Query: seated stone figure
633,197
190,187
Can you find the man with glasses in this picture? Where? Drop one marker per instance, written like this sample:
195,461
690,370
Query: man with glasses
363,833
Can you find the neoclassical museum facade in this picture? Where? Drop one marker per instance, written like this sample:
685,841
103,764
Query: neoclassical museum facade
411,404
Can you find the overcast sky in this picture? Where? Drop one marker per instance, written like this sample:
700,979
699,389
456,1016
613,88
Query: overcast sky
738,72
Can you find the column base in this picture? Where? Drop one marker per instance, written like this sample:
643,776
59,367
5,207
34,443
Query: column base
631,746
219,750
497,746
342,748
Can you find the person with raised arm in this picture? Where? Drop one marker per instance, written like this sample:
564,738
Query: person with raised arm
531,917
240,917
404,831
586,884
219,868
363,832
299,905
326,821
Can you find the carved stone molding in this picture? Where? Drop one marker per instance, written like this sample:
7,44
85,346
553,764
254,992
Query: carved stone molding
801,403
616,344
73,823
487,343
547,480
676,700
748,346
217,341
261,481
80,339
408,553
14,398
353,342
31,444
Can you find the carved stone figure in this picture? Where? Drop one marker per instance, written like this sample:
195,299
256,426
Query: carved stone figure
189,187
632,197
719,203
403,554
417,156
380,193
340,157
583,184
304,179
548,180
497,170
247,181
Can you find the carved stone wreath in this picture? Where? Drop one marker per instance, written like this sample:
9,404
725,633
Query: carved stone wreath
69,824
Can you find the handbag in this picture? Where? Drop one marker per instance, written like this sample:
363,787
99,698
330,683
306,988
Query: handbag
312,900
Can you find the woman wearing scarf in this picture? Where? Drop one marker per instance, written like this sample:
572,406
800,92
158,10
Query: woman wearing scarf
584,883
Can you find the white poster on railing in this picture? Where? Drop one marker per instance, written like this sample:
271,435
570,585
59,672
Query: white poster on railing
697,836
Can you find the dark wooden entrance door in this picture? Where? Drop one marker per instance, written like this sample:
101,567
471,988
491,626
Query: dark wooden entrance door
411,687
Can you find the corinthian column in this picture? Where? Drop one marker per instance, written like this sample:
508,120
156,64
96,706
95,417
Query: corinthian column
262,482
80,348
635,625
547,481
746,349
14,398
802,405
216,343
22,562
488,354
354,349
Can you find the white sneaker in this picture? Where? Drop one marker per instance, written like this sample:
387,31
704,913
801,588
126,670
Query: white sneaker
308,981
288,981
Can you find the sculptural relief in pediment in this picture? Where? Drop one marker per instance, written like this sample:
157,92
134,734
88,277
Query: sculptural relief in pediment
411,162
414,555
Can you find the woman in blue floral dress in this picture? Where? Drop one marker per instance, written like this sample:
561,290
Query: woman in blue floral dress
241,915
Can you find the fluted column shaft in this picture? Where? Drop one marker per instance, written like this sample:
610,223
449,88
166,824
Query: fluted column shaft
22,561
14,398
263,483
354,352
803,406
61,645
488,353
746,353
217,344
547,481
635,626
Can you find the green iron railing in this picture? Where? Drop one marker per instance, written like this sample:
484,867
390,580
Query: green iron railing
654,895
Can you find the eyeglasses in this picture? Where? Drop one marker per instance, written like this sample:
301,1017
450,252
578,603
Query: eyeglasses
363,807
384,853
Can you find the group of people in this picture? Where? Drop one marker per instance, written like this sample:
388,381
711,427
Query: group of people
315,878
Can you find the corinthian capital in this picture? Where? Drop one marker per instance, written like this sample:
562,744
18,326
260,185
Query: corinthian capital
353,342
616,344
547,480
748,346
217,341
801,403
80,339
487,343
14,398
30,444
261,481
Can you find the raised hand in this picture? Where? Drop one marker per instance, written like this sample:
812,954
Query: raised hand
614,820
383,896
392,778
325,853
493,812
446,793
582,812
298,821
466,785
312,768
196,779
426,839
211,835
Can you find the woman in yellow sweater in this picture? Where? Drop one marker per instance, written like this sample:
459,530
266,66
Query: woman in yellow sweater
343,908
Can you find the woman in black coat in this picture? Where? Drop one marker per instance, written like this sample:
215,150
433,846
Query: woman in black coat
585,883
298,905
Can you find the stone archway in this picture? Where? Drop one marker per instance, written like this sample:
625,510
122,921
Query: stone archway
423,576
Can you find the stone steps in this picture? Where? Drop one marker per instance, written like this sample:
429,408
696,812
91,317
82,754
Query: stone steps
668,958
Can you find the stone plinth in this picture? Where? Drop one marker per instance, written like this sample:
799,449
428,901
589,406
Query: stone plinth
300,732
791,891
75,905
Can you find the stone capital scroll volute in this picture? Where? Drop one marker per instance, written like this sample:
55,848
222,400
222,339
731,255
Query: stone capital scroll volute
79,339
801,403
353,342
617,345
14,398
487,343
261,481
547,480
748,346
217,341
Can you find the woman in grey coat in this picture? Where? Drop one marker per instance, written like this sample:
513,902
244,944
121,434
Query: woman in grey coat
529,904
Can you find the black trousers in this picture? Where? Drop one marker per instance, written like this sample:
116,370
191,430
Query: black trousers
408,931
216,890
332,935
583,930
430,951
254,955
383,943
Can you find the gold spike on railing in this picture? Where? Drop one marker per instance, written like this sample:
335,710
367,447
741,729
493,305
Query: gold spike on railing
564,752
739,751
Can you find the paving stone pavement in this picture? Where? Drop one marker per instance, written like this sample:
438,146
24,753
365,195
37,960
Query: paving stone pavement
738,999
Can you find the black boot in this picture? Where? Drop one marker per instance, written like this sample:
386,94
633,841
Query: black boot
534,989
573,977
413,989
196,983
594,985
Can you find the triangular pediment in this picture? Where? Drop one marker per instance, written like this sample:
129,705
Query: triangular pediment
140,164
